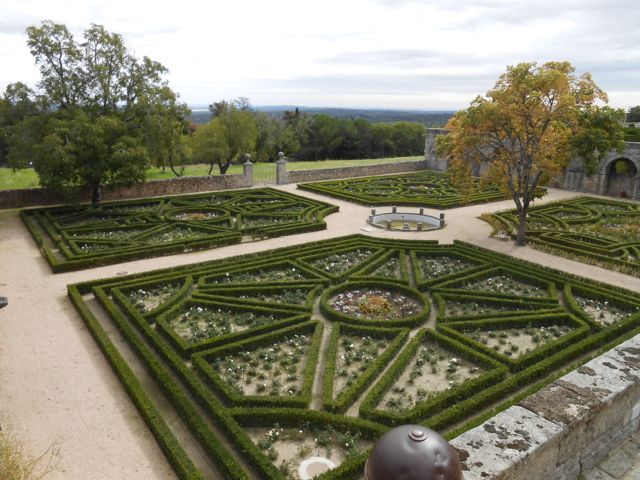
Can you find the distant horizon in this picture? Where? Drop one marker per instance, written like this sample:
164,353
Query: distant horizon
205,108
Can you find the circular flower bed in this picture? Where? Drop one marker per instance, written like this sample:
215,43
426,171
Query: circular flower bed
197,214
374,303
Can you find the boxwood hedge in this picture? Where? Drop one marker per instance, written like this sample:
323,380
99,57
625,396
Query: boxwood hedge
420,189
292,284
591,230
86,236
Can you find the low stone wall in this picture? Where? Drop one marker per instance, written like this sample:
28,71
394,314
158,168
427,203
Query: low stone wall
563,430
302,176
156,188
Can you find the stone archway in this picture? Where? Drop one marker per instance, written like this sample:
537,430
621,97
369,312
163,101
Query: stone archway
621,175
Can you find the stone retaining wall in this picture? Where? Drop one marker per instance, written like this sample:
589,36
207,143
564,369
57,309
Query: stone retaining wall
173,186
563,430
302,176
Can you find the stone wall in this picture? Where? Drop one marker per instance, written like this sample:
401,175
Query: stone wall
563,430
302,176
156,188
434,161
574,178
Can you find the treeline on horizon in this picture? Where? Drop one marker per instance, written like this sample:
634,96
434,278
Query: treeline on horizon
425,117
300,135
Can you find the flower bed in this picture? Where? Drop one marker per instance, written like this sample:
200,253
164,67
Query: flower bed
421,189
601,232
374,303
301,369
86,236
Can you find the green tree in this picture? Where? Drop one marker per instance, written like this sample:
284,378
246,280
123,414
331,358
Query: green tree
408,138
98,88
633,114
273,136
79,150
165,126
19,109
230,134
528,127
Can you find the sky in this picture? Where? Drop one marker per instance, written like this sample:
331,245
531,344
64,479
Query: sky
398,54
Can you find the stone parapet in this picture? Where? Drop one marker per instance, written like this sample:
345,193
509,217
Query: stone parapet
172,186
563,430
303,176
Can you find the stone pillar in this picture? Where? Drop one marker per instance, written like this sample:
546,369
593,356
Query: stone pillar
248,170
568,180
441,220
636,187
282,176
602,183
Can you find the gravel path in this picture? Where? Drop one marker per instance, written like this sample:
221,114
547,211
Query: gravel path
56,385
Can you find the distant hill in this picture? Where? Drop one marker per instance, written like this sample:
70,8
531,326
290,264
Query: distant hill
430,118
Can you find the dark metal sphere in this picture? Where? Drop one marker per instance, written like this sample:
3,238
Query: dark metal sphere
412,452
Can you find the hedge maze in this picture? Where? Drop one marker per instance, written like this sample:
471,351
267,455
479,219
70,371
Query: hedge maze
307,354
420,189
592,230
85,236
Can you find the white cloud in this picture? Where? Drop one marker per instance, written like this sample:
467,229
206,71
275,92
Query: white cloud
417,53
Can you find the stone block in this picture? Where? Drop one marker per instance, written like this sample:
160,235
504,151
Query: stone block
570,410
515,444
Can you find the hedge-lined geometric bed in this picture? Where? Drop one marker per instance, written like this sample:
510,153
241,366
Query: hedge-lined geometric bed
592,230
420,189
85,236
237,345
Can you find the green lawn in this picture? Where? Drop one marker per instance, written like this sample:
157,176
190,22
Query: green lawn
263,172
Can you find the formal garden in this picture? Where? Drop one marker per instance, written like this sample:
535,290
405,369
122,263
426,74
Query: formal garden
290,363
85,236
592,230
420,189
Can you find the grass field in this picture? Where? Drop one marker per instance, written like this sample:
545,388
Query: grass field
263,172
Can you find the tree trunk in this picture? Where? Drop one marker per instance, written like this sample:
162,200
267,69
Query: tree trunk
521,240
96,193
172,167
224,167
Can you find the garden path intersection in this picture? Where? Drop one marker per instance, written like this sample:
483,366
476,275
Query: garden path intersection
55,382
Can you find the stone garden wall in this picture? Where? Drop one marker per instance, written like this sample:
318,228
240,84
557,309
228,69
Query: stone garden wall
563,430
603,181
173,186
303,176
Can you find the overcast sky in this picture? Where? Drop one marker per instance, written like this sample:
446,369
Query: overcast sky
410,54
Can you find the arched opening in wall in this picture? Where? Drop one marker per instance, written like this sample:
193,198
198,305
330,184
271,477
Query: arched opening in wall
621,174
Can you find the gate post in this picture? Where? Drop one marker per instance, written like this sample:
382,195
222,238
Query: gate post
282,176
247,168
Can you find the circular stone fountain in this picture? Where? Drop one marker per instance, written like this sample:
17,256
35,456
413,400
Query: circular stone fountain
405,221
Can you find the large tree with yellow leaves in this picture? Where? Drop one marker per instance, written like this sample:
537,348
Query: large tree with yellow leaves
528,128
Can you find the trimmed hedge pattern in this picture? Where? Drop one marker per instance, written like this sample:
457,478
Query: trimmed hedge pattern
591,230
86,236
465,290
421,189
